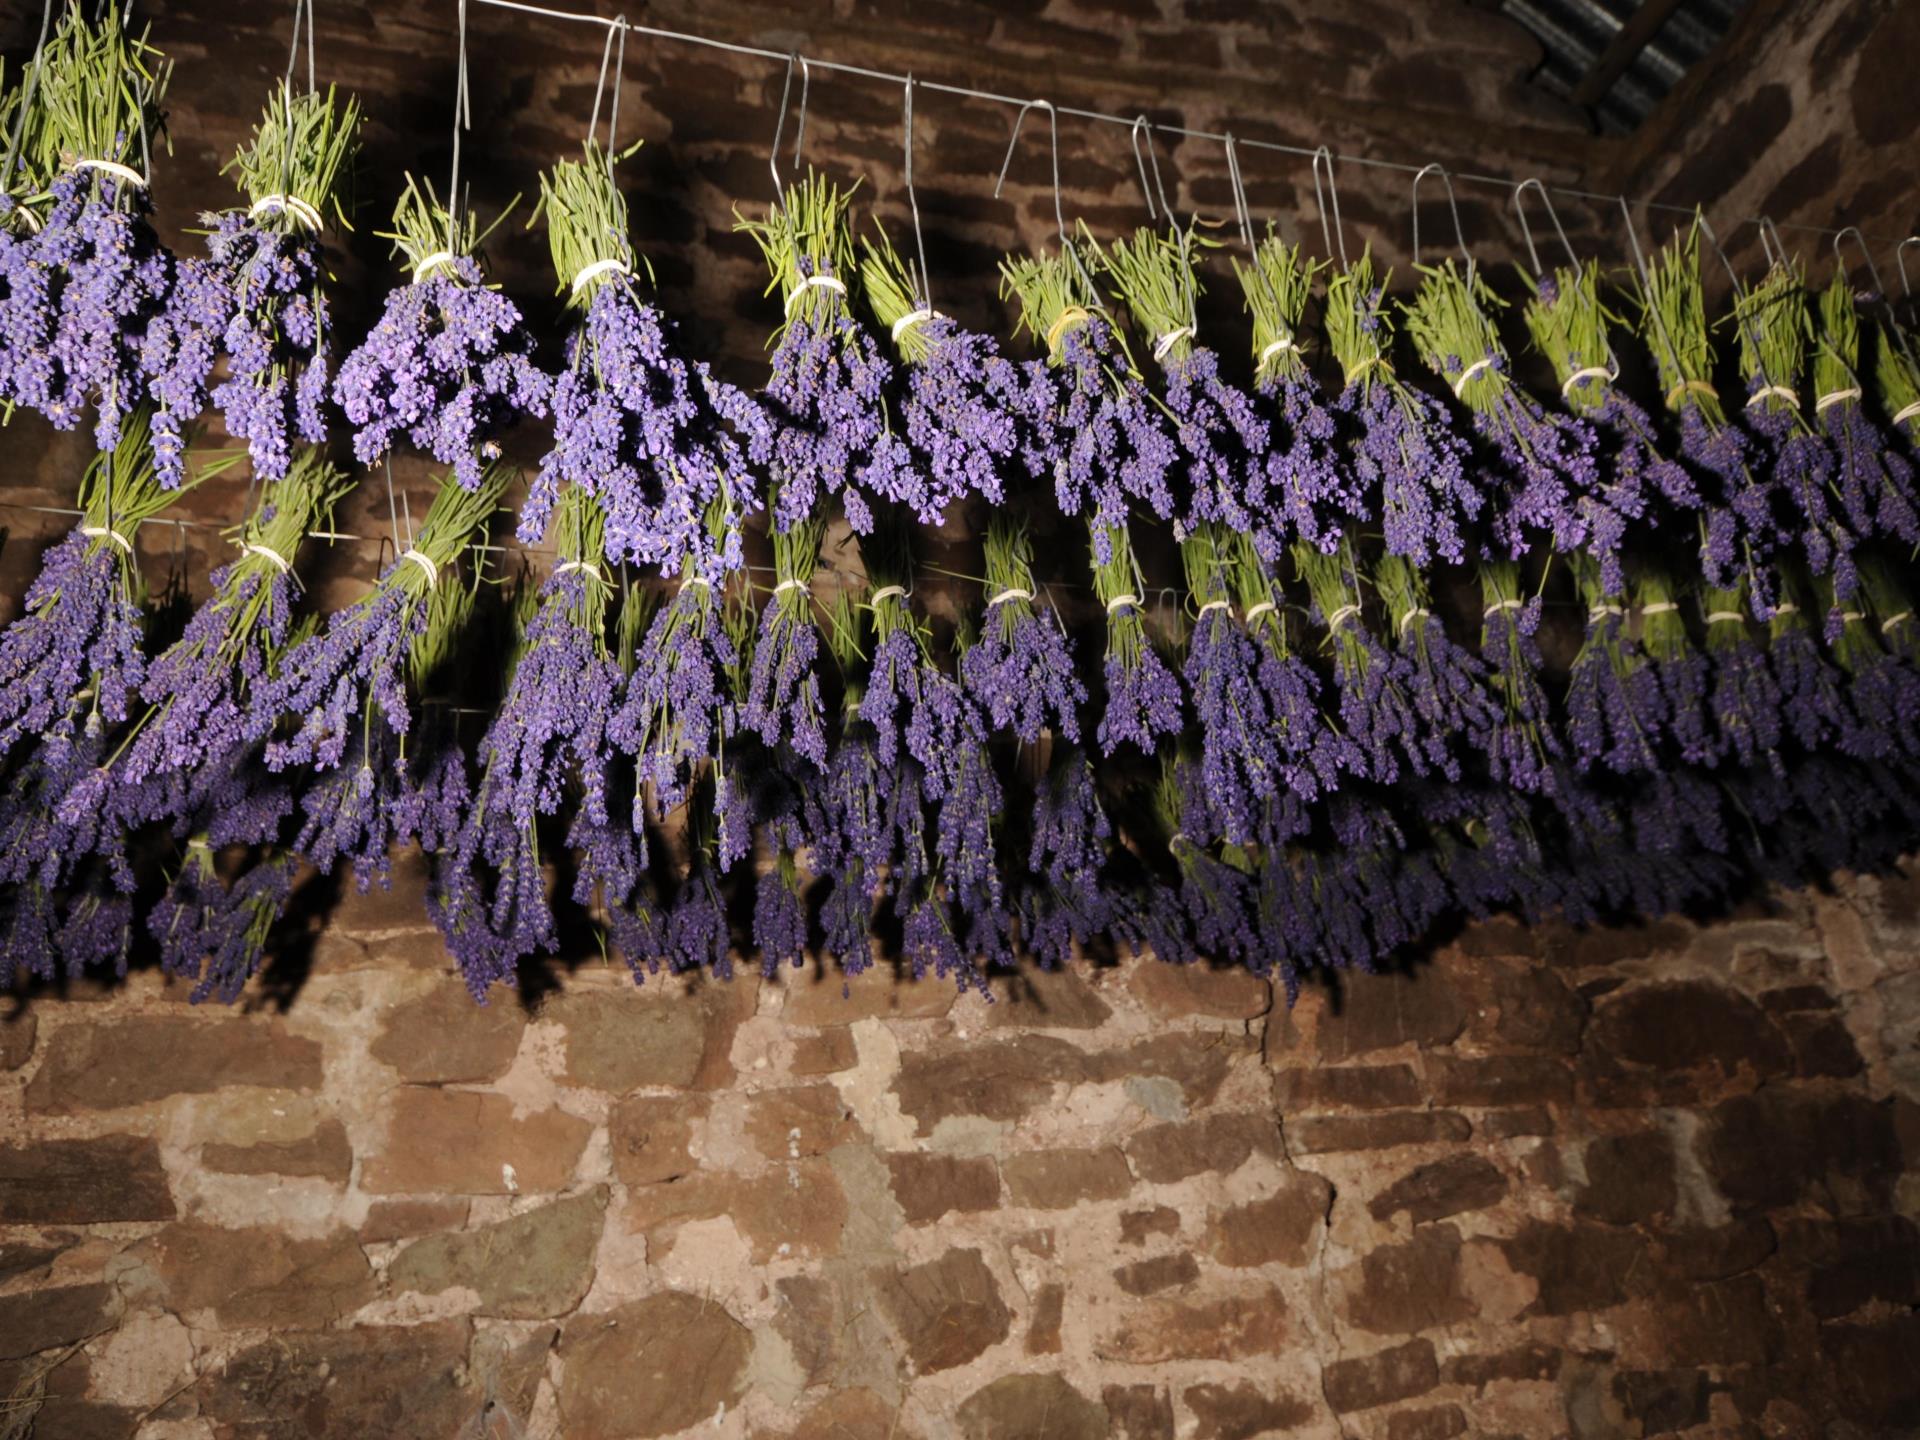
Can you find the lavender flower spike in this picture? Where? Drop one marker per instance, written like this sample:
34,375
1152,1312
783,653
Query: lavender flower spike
1143,698
1021,670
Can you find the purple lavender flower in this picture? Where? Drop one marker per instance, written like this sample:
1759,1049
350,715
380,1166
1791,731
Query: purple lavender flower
674,717
1240,768
213,931
1064,900
1143,697
1616,710
1520,743
1021,670
1745,702
783,696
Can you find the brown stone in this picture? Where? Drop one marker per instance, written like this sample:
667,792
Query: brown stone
1324,1134
1718,1252
1365,1381
1791,999
1719,1322
1242,1411
1665,1402
1379,1012
1175,992
804,1120
83,1182
617,1041
112,1064
826,1052
1220,1142
1537,1010
368,1380
946,1312
1139,1412
1137,1225
1579,1267
1768,1149
1199,1069
1049,1311
1157,1273
1502,1080
856,1414
1512,1124
1875,1382
930,1186
23,1257
1346,1087
389,1220
1630,1179
87,1420
1680,1025
1441,1188
651,1367
17,1030
531,1266
999,1080
1031,1407
324,1154
260,1276
441,1037
832,999
1822,1046
467,1142
50,1317
1440,1422
1275,1230
1048,1000
1220,1327
1413,1286
808,1320
1061,1179
799,1206
512,1365
1532,1361
651,1137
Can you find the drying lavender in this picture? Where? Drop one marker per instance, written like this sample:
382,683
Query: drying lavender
1240,768
1021,669
1143,697
1874,482
783,697
1520,744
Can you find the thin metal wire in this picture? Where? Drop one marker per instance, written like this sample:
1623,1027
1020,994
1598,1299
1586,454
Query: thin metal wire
780,125
924,300
301,9
1733,279
1900,259
462,120
1459,232
617,30
1338,234
1502,182
1150,191
1646,287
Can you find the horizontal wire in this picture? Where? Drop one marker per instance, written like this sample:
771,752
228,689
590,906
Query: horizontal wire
966,92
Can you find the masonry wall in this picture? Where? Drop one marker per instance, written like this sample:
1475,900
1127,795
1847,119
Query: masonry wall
1645,1182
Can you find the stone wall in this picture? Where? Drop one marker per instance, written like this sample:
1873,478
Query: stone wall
1659,1181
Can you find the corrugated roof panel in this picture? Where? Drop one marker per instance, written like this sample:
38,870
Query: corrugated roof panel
1581,34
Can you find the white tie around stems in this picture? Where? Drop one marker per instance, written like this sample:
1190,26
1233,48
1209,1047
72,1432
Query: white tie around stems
433,262
888,592
1784,392
1834,397
1731,617
1786,607
95,532
1848,617
1906,413
1597,613
1172,338
700,580
1900,619
1217,605
286,205
1485,362
1416,613
23,211
1278,347
809,282
1693,387
1584,373
1012,592
1121,601
269,554
1659,607
114,168
911,319
425,562
613,264
587,565
1344,613
1499,605
791,584
1255,611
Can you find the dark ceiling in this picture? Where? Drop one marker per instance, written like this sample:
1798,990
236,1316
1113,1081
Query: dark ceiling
1617,59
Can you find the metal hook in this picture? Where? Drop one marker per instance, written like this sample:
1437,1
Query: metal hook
1453,207
1646,284
301,9
1526,230
1770,242
1893,325
1237,184
1733,278
925,297
462,120
1053,120
1142,123
1900,259
780,125
1338,233
616,29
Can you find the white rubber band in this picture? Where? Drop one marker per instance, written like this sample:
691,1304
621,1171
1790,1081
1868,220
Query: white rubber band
1659,607
1906,413
1484,363
1226,605
1499,605
286,205
425,562
1730,616
592,569
1414,614
1255,611
1015,593
612,264
20,209
1172,338
700,580
1786,607
1601,612
267,551
1120,601
809,282
1848,617
1354,374
1584,373
791,584
113,168
1278,347
95,532
1900,619
1344,613
912,318
1834,397
1765,391
887,592
433,262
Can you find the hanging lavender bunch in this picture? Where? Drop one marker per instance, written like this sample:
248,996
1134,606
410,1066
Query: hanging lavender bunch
1896,376
1874,482
1738,529
96,276
1312,494
1401,445
1546,464
1883,684
1021,669
1520,742
1745,702
1240,768
1314,754
1684,673
1616,709
213,931
1064,899
966,405
656,438
450,363
73,660
347,686
1098,432
1143,698
827,394
1445,682
1376,712
1569,323
1813,702
783,695
1224,441
1216,892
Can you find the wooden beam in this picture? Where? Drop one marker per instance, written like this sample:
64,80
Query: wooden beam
1625,47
